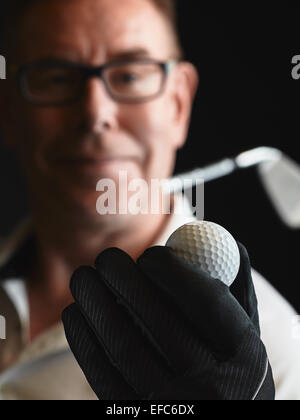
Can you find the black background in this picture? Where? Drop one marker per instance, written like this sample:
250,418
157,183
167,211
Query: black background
246,98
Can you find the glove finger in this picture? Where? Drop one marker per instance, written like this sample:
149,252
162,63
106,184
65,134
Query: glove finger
105,380
154,312
206,302
124,343
243,288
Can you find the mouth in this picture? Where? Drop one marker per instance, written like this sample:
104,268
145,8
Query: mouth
94,164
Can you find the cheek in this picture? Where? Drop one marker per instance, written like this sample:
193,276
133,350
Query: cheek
150,125
35,129
43,124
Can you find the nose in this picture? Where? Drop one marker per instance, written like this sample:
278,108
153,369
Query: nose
98,112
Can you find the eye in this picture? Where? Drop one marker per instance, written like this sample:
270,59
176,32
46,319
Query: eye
55,76
58,77
126,78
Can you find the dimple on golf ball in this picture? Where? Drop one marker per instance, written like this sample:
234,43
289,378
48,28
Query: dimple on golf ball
210,246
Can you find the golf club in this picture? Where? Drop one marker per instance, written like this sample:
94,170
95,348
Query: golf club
279,174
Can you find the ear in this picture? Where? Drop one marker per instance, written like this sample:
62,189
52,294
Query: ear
185,86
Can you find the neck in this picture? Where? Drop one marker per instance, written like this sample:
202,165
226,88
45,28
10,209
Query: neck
64,244
64,247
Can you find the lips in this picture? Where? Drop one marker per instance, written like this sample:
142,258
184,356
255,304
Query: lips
88,160
91,158
92,165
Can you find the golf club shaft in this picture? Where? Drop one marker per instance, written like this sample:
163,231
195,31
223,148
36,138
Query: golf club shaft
225,167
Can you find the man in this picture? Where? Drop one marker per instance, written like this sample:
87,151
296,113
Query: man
70,129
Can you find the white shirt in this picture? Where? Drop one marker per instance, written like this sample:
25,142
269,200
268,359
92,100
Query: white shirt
47,370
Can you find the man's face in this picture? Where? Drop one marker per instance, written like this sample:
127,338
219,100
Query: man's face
65,150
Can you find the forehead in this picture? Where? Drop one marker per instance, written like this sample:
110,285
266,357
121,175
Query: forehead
94,31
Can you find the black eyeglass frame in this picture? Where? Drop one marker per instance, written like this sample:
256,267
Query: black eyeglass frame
88,72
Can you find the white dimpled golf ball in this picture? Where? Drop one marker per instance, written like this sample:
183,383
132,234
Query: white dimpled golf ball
210,246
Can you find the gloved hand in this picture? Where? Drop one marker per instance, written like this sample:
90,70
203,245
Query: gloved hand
162,328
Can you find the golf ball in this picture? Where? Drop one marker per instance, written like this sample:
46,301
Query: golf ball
210,246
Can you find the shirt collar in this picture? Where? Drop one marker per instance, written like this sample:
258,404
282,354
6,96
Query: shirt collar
17,252
182,214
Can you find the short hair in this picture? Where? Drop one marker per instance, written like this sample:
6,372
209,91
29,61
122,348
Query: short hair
168,8
12,12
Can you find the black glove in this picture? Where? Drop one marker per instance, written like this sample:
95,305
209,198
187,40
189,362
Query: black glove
162,328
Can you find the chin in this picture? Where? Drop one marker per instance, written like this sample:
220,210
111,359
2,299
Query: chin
82,205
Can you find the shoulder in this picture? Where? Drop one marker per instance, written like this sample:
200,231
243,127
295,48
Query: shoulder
10,244
271,303
278,321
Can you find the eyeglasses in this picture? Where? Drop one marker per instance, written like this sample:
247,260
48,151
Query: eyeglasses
51,83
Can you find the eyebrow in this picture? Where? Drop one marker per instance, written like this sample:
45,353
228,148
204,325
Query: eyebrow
134,53
131,53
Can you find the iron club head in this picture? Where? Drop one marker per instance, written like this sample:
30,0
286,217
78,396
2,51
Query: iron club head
279,174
